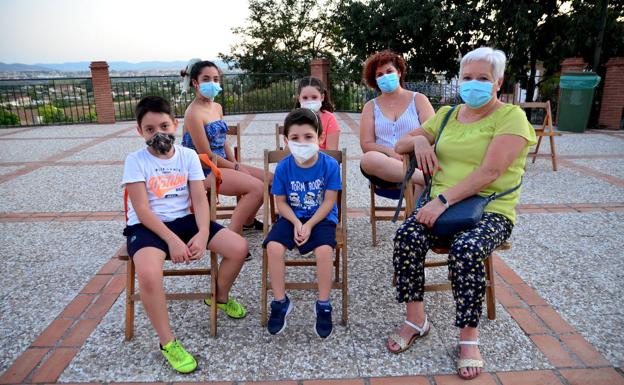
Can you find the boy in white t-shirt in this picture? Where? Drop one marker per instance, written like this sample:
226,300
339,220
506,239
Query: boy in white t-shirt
163,181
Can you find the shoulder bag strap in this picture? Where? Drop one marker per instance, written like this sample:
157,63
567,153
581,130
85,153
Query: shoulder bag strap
412,168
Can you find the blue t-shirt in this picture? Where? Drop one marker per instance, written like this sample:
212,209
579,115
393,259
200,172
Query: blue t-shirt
305,188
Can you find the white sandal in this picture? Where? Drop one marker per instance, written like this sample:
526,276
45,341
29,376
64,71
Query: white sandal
406,344
464,363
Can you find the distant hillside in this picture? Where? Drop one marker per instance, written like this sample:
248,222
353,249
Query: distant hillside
19,67
113,66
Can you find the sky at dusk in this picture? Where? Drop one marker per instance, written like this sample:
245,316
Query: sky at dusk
56,31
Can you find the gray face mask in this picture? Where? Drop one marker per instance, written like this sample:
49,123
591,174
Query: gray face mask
161,142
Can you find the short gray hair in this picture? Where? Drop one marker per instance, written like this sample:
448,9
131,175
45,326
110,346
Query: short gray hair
495,57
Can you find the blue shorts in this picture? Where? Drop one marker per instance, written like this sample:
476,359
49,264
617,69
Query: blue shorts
282,231
138,236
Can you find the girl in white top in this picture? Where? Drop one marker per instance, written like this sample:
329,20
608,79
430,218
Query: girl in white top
387,118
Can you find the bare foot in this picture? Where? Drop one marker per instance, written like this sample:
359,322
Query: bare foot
469,352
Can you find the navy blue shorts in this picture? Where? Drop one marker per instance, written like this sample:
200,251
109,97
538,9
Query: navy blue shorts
282,231
138,236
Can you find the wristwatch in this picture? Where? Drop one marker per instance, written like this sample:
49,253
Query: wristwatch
236,166
443,200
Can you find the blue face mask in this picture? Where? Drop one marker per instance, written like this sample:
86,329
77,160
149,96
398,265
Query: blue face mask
388,82
209,89
476,93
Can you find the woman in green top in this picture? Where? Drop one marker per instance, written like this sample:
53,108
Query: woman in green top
482,151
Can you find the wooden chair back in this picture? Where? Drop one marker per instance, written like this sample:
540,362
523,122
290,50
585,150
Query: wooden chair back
341,252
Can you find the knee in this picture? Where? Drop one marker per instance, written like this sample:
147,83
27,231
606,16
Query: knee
369,160
275,250
150,280
256,188
324,254
238,250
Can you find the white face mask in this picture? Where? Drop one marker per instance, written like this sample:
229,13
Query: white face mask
314,105
303,151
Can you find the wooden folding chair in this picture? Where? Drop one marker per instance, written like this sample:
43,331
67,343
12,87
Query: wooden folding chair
546,129
429,263
132,296
340,278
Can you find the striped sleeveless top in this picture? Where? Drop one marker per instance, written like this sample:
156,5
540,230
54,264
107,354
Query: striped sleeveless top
388,132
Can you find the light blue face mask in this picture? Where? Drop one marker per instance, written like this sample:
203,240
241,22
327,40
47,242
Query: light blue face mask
209,89
476,93
388,82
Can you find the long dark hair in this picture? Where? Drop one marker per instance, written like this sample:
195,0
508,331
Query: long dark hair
308,81
197,68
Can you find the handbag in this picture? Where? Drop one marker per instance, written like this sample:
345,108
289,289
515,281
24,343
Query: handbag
463,215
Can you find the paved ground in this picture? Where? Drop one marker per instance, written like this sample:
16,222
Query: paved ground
559,318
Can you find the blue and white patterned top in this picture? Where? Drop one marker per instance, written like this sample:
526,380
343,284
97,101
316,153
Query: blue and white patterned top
388,132
216,132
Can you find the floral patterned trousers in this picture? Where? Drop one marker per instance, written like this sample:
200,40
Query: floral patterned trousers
467,252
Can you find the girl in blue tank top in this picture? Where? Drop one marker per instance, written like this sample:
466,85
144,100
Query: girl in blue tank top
205,131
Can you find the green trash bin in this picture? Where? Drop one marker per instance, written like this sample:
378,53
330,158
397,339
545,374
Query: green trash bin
577,93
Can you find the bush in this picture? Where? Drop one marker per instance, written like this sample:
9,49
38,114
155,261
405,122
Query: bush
8,119
51,114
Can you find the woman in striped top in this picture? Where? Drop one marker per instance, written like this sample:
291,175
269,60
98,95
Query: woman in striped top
387,118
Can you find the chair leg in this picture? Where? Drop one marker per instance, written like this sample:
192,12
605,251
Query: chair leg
553,153
373,218
489,290
264,289
130,272
345,286
214,269
539,143
337,265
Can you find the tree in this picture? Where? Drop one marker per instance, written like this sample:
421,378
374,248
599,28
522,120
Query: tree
281,36
431,35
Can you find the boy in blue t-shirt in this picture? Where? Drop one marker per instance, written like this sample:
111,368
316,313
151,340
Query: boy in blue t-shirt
306,185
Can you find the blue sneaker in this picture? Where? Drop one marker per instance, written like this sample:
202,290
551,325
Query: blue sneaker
277,319
323,327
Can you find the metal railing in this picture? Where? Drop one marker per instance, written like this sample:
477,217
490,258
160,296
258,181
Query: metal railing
30,102
350,94
242,93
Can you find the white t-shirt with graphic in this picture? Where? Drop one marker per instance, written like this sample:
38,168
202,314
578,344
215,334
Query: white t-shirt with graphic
166,181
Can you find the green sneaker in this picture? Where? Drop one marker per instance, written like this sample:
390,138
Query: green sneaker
179,358
232,308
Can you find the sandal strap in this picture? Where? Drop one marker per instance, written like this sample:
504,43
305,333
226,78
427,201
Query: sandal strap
420,330
469,363
469,342
398,340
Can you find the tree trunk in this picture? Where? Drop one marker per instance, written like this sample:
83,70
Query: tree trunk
531,81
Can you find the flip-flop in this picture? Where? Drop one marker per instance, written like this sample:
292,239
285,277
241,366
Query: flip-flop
463,363
406,344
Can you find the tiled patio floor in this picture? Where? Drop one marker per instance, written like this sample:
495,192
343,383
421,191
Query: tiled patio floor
559,314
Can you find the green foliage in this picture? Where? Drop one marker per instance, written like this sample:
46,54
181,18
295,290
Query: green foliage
282,36
8,118
51,114
278,96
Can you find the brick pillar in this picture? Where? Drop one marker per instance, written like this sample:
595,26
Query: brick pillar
571,64
319,68
612,105
102,92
